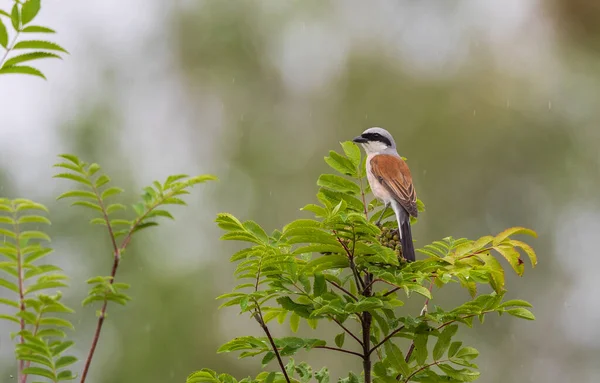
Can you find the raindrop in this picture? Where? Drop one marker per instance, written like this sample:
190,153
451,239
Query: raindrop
507,103
474,112
549,105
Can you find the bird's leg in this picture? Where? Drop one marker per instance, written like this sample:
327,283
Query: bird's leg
382,213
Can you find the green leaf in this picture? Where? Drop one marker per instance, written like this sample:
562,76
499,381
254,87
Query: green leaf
294,322
74,177
396,358
454,349
337,183
10,318
320,285
21,69
64,361
512,231
29,10
66,375
352,151
3,34
102,180
88,204
340,164
34,234
33,219
71,157
421,348
521,312
37,29
269,356
443,341
78,194
515,303
9,285
59,348
257,231
15,16
39,371
110,192
56,322
39,44
8,302
339,339
527,249
513,257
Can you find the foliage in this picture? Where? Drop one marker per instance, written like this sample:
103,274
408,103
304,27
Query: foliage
20,18
340,267
39,317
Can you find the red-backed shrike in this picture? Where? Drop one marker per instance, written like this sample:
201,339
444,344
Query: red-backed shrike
391,182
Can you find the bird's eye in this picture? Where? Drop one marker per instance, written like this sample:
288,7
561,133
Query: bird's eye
377,135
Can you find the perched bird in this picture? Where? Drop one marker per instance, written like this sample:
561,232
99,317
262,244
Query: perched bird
391,182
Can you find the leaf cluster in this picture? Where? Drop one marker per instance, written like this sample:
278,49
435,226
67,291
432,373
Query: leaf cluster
339,267
38,315
20,19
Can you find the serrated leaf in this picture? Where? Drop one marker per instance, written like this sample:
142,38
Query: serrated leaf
512,231
37,29
29,10
513,257
65,361
74,177
9,285
77,194
9,302
39,371
110,192
33,219
9,317
21,69
34,234
15,16
88,204
39,44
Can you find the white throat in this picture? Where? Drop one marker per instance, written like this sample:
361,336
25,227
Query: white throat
374,147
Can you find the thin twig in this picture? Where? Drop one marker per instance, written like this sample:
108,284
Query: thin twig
263,325
340,350
424,310
386,339
9,48
348,331
362,194
343,290
366,332
21,278
116,260
435,363
391,291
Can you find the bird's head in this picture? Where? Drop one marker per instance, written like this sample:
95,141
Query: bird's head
376,140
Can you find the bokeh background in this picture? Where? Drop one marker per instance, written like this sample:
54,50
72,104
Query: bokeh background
495,104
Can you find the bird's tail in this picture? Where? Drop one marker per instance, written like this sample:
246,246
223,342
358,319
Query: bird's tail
408,248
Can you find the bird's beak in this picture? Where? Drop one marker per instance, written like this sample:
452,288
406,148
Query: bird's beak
359,140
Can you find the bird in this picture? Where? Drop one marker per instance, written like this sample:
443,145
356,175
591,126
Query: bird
391,182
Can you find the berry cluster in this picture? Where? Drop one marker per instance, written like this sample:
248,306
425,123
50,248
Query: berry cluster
389,238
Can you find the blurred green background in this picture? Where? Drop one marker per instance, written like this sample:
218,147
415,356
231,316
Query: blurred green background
495,104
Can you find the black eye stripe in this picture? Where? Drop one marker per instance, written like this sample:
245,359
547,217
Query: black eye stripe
376,137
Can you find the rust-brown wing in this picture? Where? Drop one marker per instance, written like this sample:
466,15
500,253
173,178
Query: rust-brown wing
393,173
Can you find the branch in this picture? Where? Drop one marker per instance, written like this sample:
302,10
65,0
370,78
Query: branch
21,281
362,194
9,48
348,331
359,282
386,339
340,350
116,260
343,290
259,318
